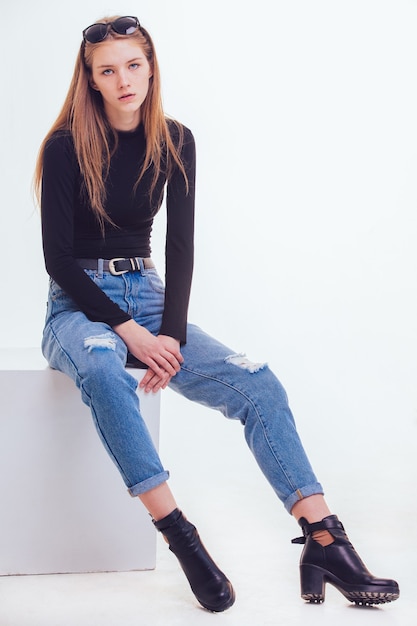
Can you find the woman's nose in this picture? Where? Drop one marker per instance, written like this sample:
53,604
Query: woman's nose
123,79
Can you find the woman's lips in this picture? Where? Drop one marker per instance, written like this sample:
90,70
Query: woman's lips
127,96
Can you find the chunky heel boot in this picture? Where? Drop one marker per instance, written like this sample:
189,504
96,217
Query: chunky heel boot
340,565
208,583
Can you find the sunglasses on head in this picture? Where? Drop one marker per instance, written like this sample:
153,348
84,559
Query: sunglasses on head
122,26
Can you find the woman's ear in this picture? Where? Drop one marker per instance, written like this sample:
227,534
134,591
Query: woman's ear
93,85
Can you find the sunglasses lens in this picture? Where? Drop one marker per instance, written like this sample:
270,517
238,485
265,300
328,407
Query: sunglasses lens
95,33
122,26
125,25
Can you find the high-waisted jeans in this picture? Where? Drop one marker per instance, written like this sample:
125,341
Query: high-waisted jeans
95,357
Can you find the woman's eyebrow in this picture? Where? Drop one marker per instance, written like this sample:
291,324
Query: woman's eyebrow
112,65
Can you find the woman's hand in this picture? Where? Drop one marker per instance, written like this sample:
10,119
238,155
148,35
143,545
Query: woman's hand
161,354
152,381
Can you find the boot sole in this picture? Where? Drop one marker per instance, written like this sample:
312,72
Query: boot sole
361,598
314,579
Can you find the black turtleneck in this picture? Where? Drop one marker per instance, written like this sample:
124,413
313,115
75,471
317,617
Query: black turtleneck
71,231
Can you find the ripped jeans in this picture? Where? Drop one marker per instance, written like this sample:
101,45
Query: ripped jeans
95,357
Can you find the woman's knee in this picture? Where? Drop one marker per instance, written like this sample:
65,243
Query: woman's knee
259,383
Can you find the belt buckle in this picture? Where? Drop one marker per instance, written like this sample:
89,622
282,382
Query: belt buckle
113,270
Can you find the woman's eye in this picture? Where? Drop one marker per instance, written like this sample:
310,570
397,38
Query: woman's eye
133,66
107,72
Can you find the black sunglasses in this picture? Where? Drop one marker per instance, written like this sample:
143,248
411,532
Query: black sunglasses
122,26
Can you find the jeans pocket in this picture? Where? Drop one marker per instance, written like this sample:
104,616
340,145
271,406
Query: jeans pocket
58,300
55,291
155,281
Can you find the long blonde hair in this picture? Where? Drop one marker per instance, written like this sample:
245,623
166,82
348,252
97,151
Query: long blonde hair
83,116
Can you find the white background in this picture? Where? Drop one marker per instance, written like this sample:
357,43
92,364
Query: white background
304,114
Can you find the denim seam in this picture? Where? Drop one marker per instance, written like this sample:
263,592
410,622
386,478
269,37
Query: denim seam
96,422
64,352
260,420
105,442
306,491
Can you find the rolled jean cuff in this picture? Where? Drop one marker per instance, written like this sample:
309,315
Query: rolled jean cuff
148,484
300,494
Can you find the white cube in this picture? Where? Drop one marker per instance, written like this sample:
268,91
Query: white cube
63,505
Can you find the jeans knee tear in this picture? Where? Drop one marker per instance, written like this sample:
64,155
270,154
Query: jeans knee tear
100,342
241,360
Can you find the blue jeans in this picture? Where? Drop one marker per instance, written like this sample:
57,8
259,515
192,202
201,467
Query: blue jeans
95,357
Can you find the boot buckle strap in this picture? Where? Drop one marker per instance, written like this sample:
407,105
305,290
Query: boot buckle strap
299,540
328,523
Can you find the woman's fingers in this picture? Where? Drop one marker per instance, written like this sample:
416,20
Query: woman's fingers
168,362
153,382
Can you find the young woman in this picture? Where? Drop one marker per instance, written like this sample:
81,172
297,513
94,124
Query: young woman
101,176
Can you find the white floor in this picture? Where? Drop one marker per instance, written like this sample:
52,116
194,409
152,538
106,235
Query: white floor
249,536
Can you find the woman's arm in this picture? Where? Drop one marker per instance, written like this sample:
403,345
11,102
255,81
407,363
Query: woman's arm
179,250
60,189
179,260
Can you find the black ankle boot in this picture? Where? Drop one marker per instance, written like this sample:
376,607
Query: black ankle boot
340,565
210,586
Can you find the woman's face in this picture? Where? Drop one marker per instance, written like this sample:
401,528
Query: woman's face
121,73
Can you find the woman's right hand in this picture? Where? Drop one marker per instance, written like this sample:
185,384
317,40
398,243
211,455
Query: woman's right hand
162,357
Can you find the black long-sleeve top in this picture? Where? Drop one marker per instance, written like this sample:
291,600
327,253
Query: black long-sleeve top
71,231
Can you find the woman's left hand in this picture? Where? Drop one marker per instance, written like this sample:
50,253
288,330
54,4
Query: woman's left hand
153,381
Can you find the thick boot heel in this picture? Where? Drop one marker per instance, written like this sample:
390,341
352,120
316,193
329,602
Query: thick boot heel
312,583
